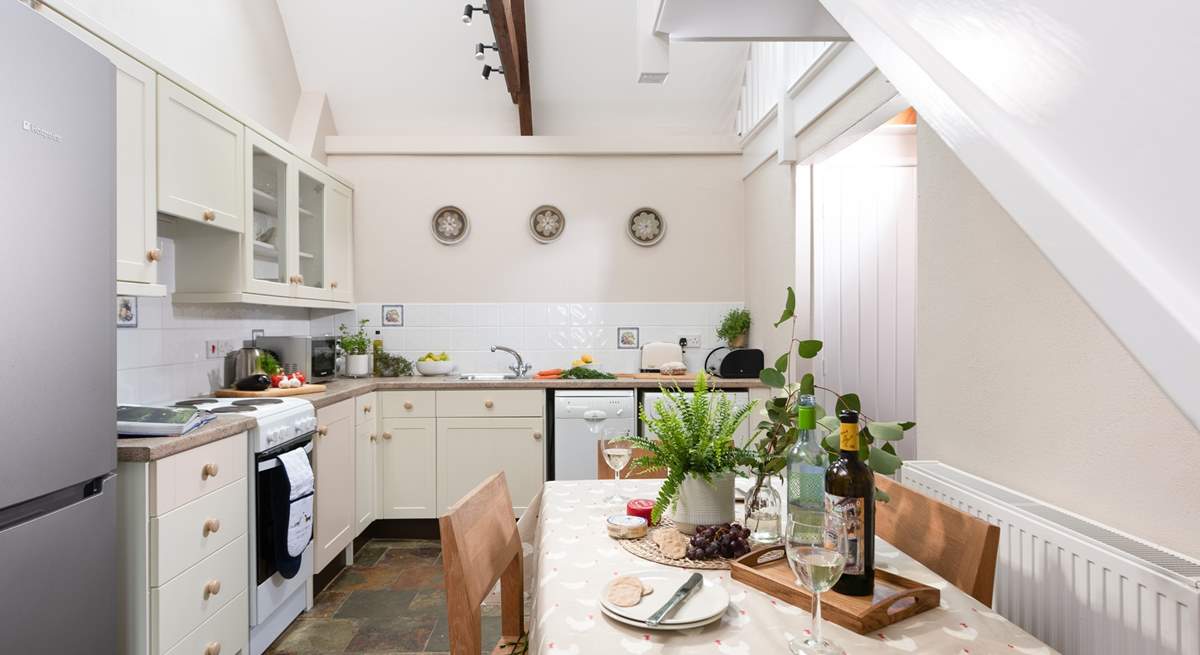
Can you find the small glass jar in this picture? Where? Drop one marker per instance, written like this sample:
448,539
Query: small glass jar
764,510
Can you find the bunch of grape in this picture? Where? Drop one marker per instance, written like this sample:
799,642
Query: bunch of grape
727,540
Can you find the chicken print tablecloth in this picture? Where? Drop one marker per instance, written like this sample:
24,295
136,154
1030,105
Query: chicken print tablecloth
570,557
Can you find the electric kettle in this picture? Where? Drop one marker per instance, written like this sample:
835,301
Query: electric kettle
240,363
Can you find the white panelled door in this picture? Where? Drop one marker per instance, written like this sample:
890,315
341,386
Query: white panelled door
864,217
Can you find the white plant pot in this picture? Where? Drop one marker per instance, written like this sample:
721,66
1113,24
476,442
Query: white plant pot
701,503
358,365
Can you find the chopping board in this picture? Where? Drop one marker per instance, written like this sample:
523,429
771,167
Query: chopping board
654,376
269,393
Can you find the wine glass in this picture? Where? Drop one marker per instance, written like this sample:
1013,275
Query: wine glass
816,548
617,452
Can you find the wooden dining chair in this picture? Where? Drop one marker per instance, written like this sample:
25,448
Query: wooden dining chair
953,544
631,472
480,545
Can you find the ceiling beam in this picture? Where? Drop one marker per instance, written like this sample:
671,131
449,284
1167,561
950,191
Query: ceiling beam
508,24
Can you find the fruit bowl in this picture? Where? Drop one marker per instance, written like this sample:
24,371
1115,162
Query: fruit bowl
429,367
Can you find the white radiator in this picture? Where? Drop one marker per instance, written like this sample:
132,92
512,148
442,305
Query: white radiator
1081,587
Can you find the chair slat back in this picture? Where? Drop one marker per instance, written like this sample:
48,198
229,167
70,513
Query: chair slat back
955,545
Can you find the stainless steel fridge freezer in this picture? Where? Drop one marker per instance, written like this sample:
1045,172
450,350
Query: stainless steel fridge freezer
58,559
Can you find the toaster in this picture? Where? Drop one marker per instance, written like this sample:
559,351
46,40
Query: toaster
734,362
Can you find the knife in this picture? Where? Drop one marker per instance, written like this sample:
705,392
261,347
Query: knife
675,600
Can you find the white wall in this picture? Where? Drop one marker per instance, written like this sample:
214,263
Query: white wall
771,258
398,260
236,50
1021,383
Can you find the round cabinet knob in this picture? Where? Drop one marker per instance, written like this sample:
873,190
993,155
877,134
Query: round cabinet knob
322,431
373,437
299,279
488,404
212,588
366,409
537,435
387,435
209,471
213,648
333,284
211,526
153,255
408,404
209,215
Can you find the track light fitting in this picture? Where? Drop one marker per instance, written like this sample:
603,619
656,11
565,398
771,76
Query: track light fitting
488,69
479,48
468,10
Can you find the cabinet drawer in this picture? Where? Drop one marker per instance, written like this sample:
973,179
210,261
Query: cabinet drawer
182,604
225,633
365,408
180,479
335,412
188,534
407,404
510,402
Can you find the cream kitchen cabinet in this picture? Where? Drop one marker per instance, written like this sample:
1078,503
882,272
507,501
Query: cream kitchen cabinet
136,170
200,160
339,241
408,468
333,466
182,540
366,475
471,449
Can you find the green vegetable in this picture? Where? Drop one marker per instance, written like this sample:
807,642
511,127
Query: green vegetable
388,365
268,364
585,373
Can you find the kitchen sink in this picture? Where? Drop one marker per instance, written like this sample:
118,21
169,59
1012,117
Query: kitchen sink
487,376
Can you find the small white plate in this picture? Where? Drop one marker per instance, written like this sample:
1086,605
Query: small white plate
705,604
661,626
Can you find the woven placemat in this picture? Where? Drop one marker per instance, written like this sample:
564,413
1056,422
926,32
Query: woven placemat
646,549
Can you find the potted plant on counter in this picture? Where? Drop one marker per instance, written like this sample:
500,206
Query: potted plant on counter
735,327
356,345
695,445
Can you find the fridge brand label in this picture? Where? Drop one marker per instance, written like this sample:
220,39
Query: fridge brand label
850,511
28,126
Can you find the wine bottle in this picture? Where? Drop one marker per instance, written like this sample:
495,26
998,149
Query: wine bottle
806,463
850,494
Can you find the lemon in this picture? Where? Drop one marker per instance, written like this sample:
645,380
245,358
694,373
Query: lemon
586,359
443,357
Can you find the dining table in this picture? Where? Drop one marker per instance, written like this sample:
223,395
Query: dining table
570,558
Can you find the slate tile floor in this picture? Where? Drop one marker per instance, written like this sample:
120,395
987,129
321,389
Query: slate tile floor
392,601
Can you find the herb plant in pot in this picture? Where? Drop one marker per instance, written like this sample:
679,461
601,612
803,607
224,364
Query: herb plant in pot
695,445
356,346
735,327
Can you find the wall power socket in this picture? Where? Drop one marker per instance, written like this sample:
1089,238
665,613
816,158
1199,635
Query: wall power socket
689,341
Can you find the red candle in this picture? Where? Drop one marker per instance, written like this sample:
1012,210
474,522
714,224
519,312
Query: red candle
640,507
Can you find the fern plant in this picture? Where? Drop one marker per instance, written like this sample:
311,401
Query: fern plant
695,437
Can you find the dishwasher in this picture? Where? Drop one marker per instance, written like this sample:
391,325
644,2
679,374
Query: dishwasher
580,419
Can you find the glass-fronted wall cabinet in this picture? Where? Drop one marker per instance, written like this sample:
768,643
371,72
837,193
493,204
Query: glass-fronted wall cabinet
269,234
311,233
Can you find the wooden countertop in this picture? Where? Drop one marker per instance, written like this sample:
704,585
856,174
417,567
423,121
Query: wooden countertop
148,449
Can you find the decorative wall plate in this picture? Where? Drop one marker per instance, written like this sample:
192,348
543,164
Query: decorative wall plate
646,227
450,225
547,223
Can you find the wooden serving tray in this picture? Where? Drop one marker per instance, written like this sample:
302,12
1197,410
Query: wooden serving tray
896,598
273,392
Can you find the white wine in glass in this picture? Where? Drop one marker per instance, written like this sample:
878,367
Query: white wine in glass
617,452
816,551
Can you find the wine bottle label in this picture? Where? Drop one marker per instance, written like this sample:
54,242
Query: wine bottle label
849,436
850,511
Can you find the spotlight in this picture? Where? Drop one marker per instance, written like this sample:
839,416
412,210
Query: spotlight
468,10
479,48
488,69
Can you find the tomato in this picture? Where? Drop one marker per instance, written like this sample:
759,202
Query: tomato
276,378
299,376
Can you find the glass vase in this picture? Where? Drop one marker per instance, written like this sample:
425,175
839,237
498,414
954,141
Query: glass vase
764,509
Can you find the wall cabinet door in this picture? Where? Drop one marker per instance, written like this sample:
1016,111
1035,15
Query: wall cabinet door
339,240
200,160
407,468
270,241
311,247
333,464
471,449
137,174
366,476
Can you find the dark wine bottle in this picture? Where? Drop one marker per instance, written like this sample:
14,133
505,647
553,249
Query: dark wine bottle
850,495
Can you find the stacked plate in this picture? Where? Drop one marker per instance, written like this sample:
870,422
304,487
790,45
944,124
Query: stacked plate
705,605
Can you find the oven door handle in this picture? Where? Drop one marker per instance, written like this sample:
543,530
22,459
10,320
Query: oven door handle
274,461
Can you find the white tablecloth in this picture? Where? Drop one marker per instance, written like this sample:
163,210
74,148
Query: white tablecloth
570,558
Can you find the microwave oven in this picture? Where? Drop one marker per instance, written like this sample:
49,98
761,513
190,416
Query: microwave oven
316,357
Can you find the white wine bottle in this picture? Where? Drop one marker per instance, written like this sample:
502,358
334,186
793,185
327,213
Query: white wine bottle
806,463
850,494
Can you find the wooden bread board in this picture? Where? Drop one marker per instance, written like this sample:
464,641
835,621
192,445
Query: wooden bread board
270,393
896,598
654,376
